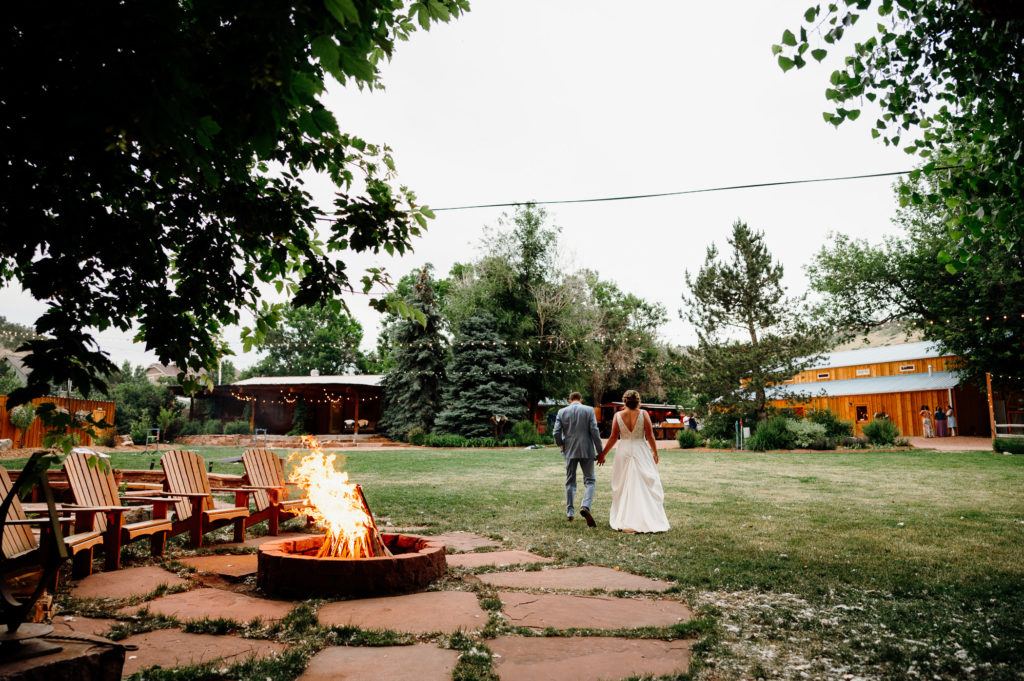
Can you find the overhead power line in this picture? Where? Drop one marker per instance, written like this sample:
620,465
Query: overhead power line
705,190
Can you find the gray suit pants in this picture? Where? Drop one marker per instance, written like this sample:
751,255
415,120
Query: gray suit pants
589,483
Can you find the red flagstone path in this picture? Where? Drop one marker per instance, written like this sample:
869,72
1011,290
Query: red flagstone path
472,560
578,578
421,613
464,541
213,603
586,659
73,624
258,541
175,648
393,663
560,611
125,583
233,568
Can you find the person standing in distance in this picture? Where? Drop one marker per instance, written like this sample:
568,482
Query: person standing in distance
576,434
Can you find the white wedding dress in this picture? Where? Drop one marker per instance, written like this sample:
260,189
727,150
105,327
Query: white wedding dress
638,500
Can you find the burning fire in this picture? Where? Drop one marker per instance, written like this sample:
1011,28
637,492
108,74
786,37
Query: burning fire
337,505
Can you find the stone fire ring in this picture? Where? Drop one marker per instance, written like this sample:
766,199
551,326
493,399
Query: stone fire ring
289,568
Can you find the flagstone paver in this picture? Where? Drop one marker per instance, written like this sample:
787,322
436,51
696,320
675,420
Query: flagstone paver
419,613
472,560
392,663
201,603
257,541
562,611
73,624
175,648
464,541
233,568
586,659
582,578
125,583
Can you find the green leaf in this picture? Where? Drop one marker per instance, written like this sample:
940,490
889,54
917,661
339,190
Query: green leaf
326,52
788,38
776,49
853,114
811,13
343,10
819,54
786,63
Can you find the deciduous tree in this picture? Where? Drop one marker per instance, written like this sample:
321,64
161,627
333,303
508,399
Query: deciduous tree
150,167
946,77
317,337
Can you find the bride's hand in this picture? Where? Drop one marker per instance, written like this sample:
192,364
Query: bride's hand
655,457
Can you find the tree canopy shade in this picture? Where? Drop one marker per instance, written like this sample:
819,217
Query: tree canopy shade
946,75
150,160
743,297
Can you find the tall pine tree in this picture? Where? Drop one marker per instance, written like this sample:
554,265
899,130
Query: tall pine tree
412,386
750,335
483,380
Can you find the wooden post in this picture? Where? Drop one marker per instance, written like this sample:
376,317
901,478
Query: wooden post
991,409
355,417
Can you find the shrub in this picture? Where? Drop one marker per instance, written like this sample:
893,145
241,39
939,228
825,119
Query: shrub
416,436
834,427
854,442
772,434
191,428
1008,445
213,427
547,439
719,443
239,427
524,433
104,437
805,432
688,439
140,429
822,444
881,431
22,416
170,424
444,440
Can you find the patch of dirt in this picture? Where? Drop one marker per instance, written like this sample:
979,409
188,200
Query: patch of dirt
25,452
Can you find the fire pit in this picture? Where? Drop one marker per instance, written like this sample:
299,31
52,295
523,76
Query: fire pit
291,568
352,558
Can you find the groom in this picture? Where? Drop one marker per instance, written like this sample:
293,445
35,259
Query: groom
577,435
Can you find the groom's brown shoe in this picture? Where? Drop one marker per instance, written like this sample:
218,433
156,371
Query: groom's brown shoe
585,512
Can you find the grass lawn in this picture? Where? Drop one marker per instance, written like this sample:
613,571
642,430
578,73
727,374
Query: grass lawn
877,565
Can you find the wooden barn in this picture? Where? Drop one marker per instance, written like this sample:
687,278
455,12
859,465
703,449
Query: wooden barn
334,404
896,380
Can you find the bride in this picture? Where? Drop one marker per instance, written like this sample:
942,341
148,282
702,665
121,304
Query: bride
637,496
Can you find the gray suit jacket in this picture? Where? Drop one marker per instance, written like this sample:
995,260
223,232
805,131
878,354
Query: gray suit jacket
576,432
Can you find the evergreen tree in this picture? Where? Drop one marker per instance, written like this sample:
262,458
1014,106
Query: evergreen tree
745,296
412,385
483,381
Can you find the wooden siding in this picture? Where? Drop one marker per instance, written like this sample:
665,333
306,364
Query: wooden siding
968,405
876,369
34,436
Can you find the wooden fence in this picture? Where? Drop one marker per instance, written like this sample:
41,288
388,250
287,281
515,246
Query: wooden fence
33,437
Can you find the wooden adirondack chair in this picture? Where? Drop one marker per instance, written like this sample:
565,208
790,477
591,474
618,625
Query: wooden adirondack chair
94,487
265,473
20,543
194,510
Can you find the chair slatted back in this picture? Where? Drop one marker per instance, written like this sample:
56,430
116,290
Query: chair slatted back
185,473
93,484
264,470
18,539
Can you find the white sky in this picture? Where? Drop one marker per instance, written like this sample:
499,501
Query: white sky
547,100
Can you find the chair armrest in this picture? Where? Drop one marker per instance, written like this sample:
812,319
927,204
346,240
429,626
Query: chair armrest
39,522
96,509
190,495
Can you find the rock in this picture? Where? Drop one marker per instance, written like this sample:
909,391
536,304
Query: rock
6,444
124,441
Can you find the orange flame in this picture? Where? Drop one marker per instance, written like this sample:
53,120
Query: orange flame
337,505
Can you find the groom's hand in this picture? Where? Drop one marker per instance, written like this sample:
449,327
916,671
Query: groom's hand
600,459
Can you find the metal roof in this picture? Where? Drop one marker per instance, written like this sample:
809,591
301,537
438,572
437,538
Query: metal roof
936,380
362,379
886,353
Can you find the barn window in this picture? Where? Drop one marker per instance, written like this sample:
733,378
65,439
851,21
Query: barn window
906,367
862,412
863,372
823,374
